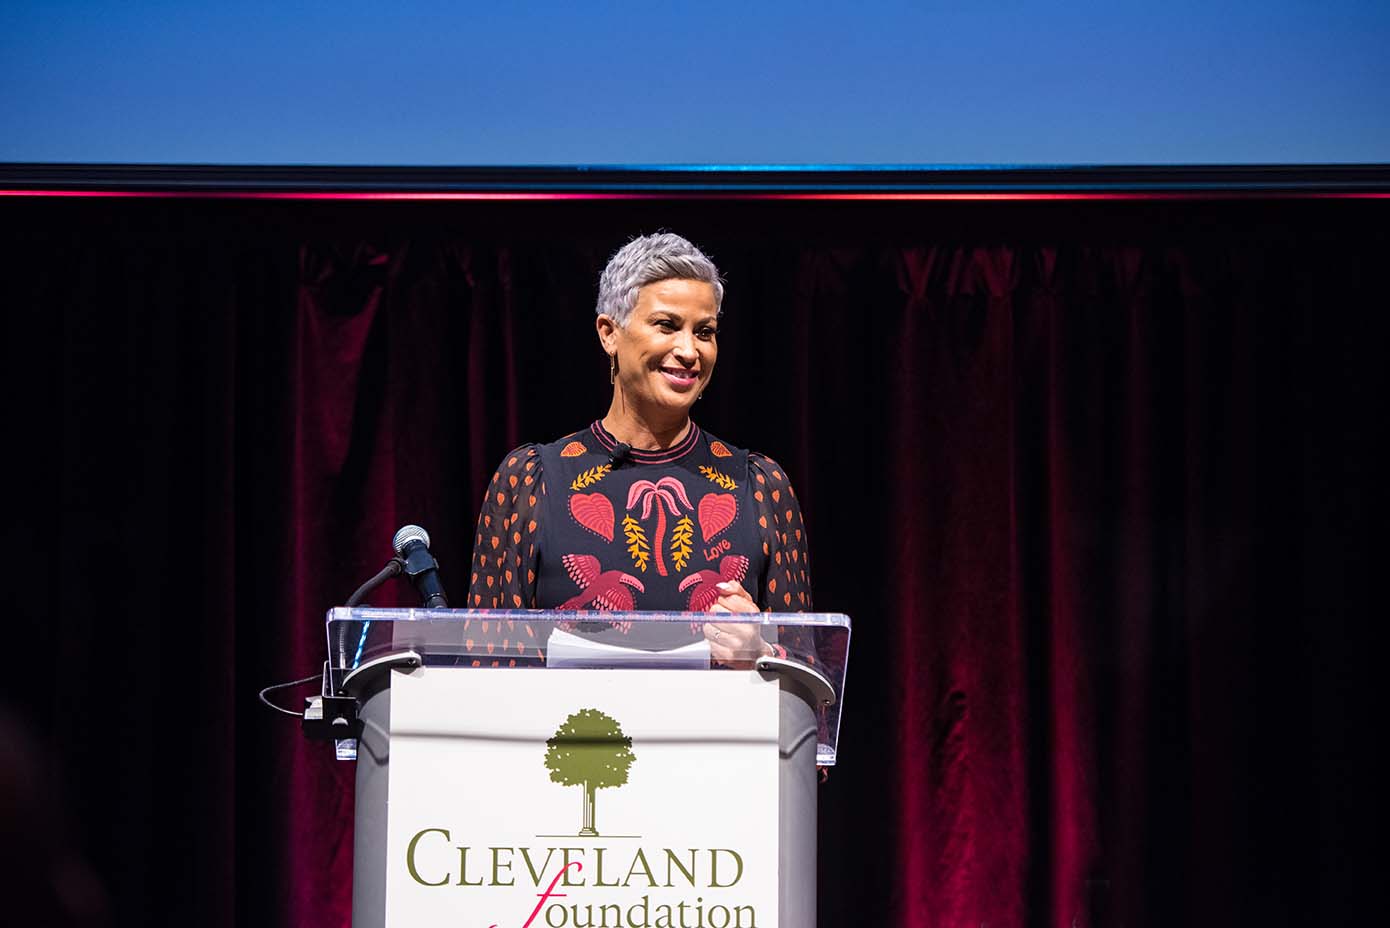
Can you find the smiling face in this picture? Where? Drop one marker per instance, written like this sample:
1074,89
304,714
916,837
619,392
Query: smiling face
666,352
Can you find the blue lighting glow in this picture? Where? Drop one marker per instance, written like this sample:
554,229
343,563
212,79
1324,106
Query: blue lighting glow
718,83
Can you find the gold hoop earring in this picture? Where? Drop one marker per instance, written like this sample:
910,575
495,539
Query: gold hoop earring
612,368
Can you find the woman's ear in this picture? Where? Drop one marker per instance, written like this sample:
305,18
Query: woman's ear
607,333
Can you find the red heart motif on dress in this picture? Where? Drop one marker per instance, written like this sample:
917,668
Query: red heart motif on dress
594,511
716,512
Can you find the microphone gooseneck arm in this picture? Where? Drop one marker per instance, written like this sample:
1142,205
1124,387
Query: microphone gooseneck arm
392,568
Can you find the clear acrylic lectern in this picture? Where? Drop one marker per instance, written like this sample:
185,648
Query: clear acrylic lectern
572,768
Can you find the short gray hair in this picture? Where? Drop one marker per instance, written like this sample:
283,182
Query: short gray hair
646,260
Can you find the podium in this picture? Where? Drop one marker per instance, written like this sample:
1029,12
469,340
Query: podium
581,769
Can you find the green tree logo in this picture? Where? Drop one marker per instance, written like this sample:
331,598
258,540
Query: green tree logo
590,750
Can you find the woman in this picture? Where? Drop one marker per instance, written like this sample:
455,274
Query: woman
643,510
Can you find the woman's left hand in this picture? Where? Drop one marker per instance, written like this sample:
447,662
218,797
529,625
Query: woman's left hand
735,642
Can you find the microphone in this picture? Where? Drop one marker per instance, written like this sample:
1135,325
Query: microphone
412,544
619,453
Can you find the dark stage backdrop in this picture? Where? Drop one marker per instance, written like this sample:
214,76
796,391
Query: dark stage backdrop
1094,480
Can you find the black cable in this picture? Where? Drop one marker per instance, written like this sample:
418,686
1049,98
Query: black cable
316,678
393,567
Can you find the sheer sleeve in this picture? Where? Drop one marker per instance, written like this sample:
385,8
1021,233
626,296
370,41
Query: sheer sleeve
786,587
504,548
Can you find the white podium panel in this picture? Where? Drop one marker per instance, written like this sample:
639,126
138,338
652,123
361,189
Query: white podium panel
623,798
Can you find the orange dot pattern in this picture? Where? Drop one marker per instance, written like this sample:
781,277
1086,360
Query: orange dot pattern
788,585
505,541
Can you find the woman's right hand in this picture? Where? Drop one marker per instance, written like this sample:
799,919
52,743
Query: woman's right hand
736,644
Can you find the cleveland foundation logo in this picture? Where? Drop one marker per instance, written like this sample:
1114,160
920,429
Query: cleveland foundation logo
604,881
589,750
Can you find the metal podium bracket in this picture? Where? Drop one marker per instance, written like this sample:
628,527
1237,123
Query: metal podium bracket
353,682
333,716
817,683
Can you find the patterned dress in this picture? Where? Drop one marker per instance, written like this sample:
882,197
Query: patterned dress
571,525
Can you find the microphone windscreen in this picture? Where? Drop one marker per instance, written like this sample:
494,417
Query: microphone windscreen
408,533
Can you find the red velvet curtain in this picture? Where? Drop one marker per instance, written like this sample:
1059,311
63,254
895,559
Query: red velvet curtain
1095,482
